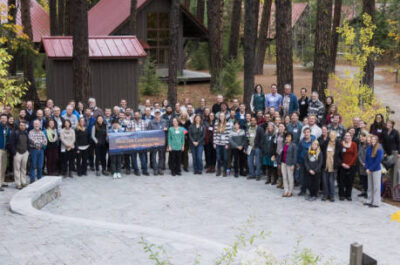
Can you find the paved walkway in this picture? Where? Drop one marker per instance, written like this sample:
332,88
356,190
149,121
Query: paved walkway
200,206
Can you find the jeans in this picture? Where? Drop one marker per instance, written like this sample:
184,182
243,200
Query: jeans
37,160
158,164
197,154
116,161
222,156
302,177
328,180
143,161
254,154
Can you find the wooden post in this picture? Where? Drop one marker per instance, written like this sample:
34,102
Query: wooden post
356,251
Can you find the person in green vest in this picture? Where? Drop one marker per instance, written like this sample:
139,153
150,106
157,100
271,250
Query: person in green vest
176,145
257,99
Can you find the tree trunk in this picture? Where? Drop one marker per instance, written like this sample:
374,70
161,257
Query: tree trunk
215,14
174,20
335,36
249,47
200,10
12,13
61,17
68,18
368,79
236,17
80,60
322,45
53,17
284,52
262,37
132,18
29,77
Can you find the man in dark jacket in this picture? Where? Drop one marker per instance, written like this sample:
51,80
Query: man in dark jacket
4,141
19,148
302,150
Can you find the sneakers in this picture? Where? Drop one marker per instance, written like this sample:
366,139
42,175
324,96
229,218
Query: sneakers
161,173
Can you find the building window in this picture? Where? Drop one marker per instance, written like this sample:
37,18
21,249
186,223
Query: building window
158,36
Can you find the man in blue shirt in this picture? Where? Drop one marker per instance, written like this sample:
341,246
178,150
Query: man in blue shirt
273,99
4,140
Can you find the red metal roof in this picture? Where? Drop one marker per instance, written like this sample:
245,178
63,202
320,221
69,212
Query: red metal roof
100,47
297,11
107,15
39,17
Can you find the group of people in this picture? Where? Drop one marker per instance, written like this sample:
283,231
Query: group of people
289,140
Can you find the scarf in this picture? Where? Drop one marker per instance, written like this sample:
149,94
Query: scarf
50,135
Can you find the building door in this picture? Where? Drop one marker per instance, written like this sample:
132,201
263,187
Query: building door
158,37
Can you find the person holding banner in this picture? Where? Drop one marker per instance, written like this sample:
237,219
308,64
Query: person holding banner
158,124
116,159
139,125
176,145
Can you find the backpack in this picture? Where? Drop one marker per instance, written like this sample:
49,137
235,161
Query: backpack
387,189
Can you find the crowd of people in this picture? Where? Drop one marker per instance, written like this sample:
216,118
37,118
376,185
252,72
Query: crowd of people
291,141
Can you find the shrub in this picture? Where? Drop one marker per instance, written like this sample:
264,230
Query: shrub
149,83
351,96
230,81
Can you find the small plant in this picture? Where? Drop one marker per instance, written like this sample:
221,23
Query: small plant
199,58
230,81
149,83
156,253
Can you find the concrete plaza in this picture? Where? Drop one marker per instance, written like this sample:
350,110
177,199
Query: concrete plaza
190,216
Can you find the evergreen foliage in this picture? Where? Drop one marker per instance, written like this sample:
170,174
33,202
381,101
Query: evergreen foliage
149,83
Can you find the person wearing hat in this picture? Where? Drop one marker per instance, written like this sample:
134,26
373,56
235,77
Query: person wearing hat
158,124
116,159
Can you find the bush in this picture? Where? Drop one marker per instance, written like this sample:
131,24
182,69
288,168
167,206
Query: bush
229,79
149,83
199,58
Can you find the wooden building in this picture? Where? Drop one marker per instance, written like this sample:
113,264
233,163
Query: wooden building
110,17
113,69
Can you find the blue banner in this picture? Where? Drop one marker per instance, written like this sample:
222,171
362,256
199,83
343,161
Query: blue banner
128,142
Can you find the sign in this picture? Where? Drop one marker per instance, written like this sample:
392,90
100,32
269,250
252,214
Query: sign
127,142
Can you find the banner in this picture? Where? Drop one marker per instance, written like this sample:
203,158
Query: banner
128,142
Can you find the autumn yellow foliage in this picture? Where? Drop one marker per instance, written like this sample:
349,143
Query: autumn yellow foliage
351,96
395,217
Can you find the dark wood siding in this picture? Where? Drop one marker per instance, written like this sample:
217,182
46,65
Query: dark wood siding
141,20
111,80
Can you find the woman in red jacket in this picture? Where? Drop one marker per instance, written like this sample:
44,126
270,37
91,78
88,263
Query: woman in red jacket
347,161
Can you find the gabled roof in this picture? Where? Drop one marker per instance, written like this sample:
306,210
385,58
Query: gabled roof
100,47
297,11
39,17
108,15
